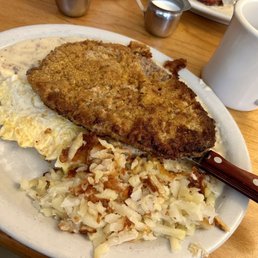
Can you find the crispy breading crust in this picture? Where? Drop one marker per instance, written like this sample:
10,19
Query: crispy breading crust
119,92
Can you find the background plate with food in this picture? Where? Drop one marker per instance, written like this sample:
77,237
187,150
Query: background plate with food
221,13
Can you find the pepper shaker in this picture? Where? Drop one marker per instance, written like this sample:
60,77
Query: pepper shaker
73,8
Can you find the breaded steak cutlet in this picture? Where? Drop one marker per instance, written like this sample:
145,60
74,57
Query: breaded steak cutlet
117,91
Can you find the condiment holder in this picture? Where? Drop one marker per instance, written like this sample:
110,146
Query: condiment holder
73,8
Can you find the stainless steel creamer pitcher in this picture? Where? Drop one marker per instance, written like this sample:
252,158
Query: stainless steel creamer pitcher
161,17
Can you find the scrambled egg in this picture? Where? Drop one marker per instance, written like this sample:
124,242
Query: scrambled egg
25,119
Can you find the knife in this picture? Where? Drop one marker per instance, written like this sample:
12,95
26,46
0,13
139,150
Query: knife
240,179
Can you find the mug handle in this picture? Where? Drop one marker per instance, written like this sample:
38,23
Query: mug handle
139,2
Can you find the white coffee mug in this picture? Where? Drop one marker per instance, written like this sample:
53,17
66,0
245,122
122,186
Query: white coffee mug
232,72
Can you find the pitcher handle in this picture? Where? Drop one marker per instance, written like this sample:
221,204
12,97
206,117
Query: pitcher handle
139,2
187,5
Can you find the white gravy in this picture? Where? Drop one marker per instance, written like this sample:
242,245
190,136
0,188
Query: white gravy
20,57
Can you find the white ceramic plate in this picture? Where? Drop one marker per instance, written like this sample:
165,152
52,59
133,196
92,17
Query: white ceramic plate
21,220
222,14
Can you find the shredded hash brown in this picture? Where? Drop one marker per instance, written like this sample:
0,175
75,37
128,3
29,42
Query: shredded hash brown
113,194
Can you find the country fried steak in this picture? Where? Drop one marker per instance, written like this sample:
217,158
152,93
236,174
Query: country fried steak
117,91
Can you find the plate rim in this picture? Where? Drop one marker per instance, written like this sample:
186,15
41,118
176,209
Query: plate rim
9,37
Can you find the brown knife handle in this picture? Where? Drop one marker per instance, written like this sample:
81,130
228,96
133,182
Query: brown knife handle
243,181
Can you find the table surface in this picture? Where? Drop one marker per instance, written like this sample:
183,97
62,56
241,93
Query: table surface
195,39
